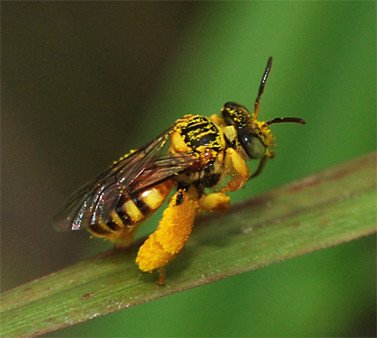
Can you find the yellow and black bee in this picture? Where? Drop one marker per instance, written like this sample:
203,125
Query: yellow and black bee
204,160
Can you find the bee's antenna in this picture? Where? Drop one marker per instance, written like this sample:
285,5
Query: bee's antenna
286,119
261,87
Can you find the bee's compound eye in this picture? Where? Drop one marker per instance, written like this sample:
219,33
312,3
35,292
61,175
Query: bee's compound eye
253,146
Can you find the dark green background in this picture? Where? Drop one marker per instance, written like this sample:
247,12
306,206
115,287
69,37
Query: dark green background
82,82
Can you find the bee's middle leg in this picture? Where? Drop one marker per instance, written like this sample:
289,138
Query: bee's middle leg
214,202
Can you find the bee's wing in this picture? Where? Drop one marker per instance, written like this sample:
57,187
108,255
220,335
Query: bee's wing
162,169
153,171
93,201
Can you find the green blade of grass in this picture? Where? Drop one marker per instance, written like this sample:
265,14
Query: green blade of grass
326,209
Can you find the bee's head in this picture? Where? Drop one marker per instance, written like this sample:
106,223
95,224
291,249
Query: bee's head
254,136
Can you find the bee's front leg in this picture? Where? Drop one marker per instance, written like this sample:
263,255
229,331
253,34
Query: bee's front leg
236,166
174,229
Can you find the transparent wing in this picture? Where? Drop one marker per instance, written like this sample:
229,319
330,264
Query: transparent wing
137,171
163,169
85,205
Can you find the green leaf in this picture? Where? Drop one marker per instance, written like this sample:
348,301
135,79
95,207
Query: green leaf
326,209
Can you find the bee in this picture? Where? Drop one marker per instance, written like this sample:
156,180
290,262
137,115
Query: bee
201,158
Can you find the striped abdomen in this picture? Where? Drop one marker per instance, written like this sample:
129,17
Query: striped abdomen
130,211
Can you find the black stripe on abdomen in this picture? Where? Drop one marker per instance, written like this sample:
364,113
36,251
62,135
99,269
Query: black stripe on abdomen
141,205
126,219
98,229
112,225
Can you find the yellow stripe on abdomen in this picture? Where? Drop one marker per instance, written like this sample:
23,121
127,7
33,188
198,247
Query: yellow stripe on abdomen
153,198
133,211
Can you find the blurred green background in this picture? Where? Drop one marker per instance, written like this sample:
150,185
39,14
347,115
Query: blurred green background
82,82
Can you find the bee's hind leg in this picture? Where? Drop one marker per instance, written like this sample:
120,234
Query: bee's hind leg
161,276
174,229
